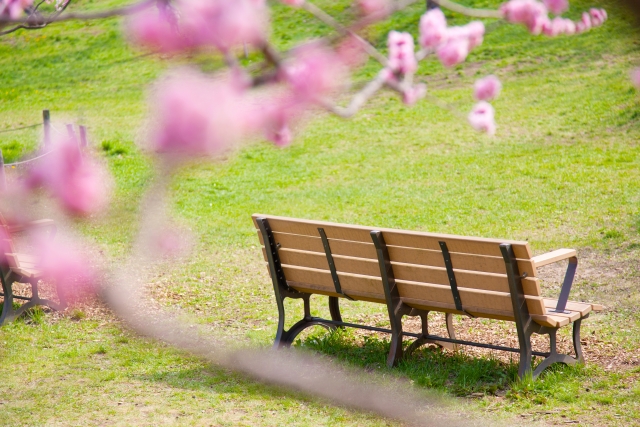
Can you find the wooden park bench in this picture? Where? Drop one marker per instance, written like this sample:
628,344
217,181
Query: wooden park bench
21,268
414,273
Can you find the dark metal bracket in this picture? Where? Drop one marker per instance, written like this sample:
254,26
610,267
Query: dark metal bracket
527,327
452,279
566,286
332,265
282,290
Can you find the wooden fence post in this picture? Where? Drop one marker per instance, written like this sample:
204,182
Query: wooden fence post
46,119
83,136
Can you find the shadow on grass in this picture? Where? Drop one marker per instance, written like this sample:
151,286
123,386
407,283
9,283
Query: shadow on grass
432,367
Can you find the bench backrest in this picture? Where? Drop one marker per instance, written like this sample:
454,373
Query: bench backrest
417,261
7,248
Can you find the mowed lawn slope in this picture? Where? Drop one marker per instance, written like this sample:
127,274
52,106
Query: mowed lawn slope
562,171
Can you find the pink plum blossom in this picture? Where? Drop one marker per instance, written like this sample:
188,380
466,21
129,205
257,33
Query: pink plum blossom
351,52
487,88
280,137
598,16
313,72
475,33
79,183
402,57
67,265
379,8
294,3
196,115
170,241
414,94
555,27
635,77
453,52
157,30
5,245
195,23
433,28
531,13
569,27
481,118
556,6
225,24
12,9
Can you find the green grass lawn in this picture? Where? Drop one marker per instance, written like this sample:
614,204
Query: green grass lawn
562,171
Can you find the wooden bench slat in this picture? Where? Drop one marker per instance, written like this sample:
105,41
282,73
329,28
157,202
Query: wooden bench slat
582,308
420,291
552,257
414,273
403,254
420,240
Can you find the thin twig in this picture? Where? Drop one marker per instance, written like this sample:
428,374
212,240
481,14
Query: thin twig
344,31
469,11
30,22
358,99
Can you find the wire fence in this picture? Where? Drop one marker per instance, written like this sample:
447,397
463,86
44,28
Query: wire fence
20,128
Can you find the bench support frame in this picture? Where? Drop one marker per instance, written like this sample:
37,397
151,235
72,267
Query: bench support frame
397,310
9,313
527,327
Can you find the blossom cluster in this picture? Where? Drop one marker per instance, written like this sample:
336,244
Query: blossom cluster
188,24
13,9
535,16
452,44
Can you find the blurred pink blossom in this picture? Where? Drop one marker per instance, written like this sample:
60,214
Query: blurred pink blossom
433,28
194,23
12,9
5,244
556,6
351,52
475,33
487,88
414,94
68,266
555,27
223,23
481,118
79,183
453,52
295,3
379,8
313,72
584,24
196,115
280,137
635,77
569,27
402,57
598,16
531,13
157,30
170,241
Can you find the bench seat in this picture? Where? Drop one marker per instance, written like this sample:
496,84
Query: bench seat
21,268
414,273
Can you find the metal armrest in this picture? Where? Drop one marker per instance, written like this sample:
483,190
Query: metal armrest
556,256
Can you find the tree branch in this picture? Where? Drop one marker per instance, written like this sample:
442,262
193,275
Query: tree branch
469,11
31,22
344,31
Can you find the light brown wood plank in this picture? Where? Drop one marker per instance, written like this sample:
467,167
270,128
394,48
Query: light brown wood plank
582,308
414,273
402,254
550,320
551,257
421,240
